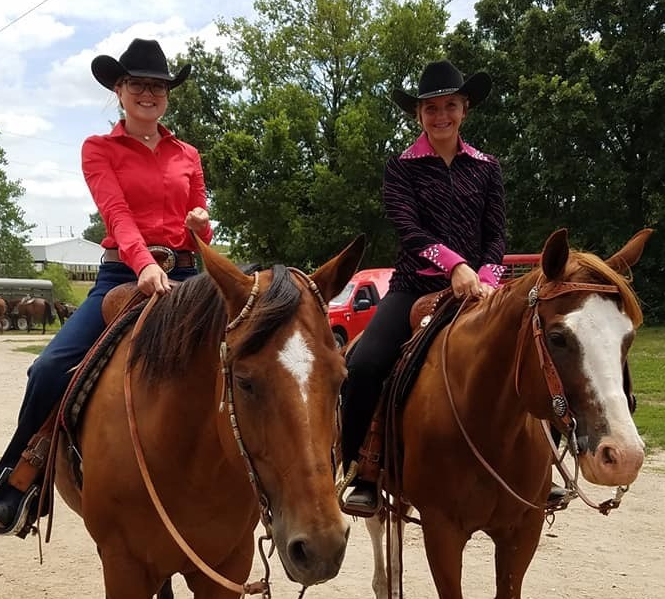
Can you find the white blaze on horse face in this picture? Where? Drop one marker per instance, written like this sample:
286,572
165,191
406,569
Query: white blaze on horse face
297,358
600,328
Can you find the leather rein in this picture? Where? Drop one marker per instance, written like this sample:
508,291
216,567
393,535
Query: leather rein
564,418
248,588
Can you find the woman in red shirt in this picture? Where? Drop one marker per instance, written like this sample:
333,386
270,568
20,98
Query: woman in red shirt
149,189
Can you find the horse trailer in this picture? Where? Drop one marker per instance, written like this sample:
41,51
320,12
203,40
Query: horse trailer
14,290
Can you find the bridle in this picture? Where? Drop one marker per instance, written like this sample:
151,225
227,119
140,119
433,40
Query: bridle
248,588
563,416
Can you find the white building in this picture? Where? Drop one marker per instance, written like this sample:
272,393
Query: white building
79,257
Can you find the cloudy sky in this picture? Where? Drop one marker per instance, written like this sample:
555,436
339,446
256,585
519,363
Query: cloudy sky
49,101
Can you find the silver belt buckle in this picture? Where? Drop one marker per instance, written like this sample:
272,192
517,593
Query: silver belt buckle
166,257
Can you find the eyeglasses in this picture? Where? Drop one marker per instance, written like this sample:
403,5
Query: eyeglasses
156,88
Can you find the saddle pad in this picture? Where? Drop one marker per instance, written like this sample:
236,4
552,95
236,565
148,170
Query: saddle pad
88,371
403,374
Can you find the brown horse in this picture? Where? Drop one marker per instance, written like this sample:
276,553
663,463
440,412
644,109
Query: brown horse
481,395
274,370
36,310
63,310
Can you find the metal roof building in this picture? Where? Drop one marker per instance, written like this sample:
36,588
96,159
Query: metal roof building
79,257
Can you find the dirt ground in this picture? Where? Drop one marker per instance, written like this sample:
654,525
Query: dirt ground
583,556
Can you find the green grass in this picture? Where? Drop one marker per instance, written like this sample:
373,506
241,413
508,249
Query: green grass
32,349
647,359
80,291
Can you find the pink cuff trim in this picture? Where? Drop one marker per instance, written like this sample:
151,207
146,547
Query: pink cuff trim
491,274
442,257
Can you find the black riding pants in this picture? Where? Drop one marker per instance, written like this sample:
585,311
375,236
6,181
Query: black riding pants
370,363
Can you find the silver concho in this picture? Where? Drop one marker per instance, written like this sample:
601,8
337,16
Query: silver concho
559,405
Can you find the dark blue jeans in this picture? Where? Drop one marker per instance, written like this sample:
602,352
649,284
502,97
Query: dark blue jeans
49,374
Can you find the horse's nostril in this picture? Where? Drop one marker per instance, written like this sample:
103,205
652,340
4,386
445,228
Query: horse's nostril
298,552
609,456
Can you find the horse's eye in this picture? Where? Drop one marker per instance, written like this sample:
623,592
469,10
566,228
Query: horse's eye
557,339
244,384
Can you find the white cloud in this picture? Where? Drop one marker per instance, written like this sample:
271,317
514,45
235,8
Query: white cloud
23,123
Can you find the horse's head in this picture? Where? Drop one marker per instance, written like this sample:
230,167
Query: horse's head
588,317
285,373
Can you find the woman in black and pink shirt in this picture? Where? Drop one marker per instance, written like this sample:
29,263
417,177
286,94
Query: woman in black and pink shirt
445,199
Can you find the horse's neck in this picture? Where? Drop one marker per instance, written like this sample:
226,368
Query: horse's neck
487,342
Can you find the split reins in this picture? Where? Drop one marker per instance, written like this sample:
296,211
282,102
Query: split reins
564,418
248,588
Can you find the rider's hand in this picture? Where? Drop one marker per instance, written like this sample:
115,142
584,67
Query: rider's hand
197,220
152,279
465,281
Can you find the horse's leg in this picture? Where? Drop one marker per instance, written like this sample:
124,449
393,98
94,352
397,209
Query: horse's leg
444,544
235,568
44,323
166,592
515,548
125,577
376,527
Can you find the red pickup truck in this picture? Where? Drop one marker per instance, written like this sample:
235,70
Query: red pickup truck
352,309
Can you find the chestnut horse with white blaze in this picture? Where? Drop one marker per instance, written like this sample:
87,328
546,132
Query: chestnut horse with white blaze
202,383
551,345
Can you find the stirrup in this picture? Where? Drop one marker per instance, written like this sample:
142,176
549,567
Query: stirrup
22,523
356,510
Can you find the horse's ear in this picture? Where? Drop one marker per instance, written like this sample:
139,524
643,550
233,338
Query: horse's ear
335,274
555,254
630,253
233,283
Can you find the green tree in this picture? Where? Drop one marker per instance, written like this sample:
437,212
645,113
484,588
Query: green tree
15,259
97,229
62,288
300,172
575,120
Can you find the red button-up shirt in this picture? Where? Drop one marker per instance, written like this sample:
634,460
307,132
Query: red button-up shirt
142,195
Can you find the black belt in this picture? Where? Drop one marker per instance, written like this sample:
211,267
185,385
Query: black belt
166,258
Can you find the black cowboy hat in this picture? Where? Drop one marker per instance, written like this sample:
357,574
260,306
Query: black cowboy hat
143,58
442,78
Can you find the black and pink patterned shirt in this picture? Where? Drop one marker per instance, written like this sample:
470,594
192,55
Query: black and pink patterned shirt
444,215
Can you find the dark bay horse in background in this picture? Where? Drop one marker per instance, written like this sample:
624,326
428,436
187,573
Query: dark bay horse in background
266,377
482,395
36,310
63,310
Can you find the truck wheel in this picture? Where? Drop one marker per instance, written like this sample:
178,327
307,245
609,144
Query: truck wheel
6,323
22,323
339,339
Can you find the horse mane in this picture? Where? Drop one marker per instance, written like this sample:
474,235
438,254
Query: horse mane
193,315
276,306
580,266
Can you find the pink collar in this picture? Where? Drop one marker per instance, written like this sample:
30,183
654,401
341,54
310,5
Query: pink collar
422,148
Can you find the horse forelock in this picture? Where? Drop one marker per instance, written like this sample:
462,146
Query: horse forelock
273,309
589,267
190,317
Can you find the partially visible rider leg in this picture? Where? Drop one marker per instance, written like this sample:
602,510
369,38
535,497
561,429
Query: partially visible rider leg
47,380
369,365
